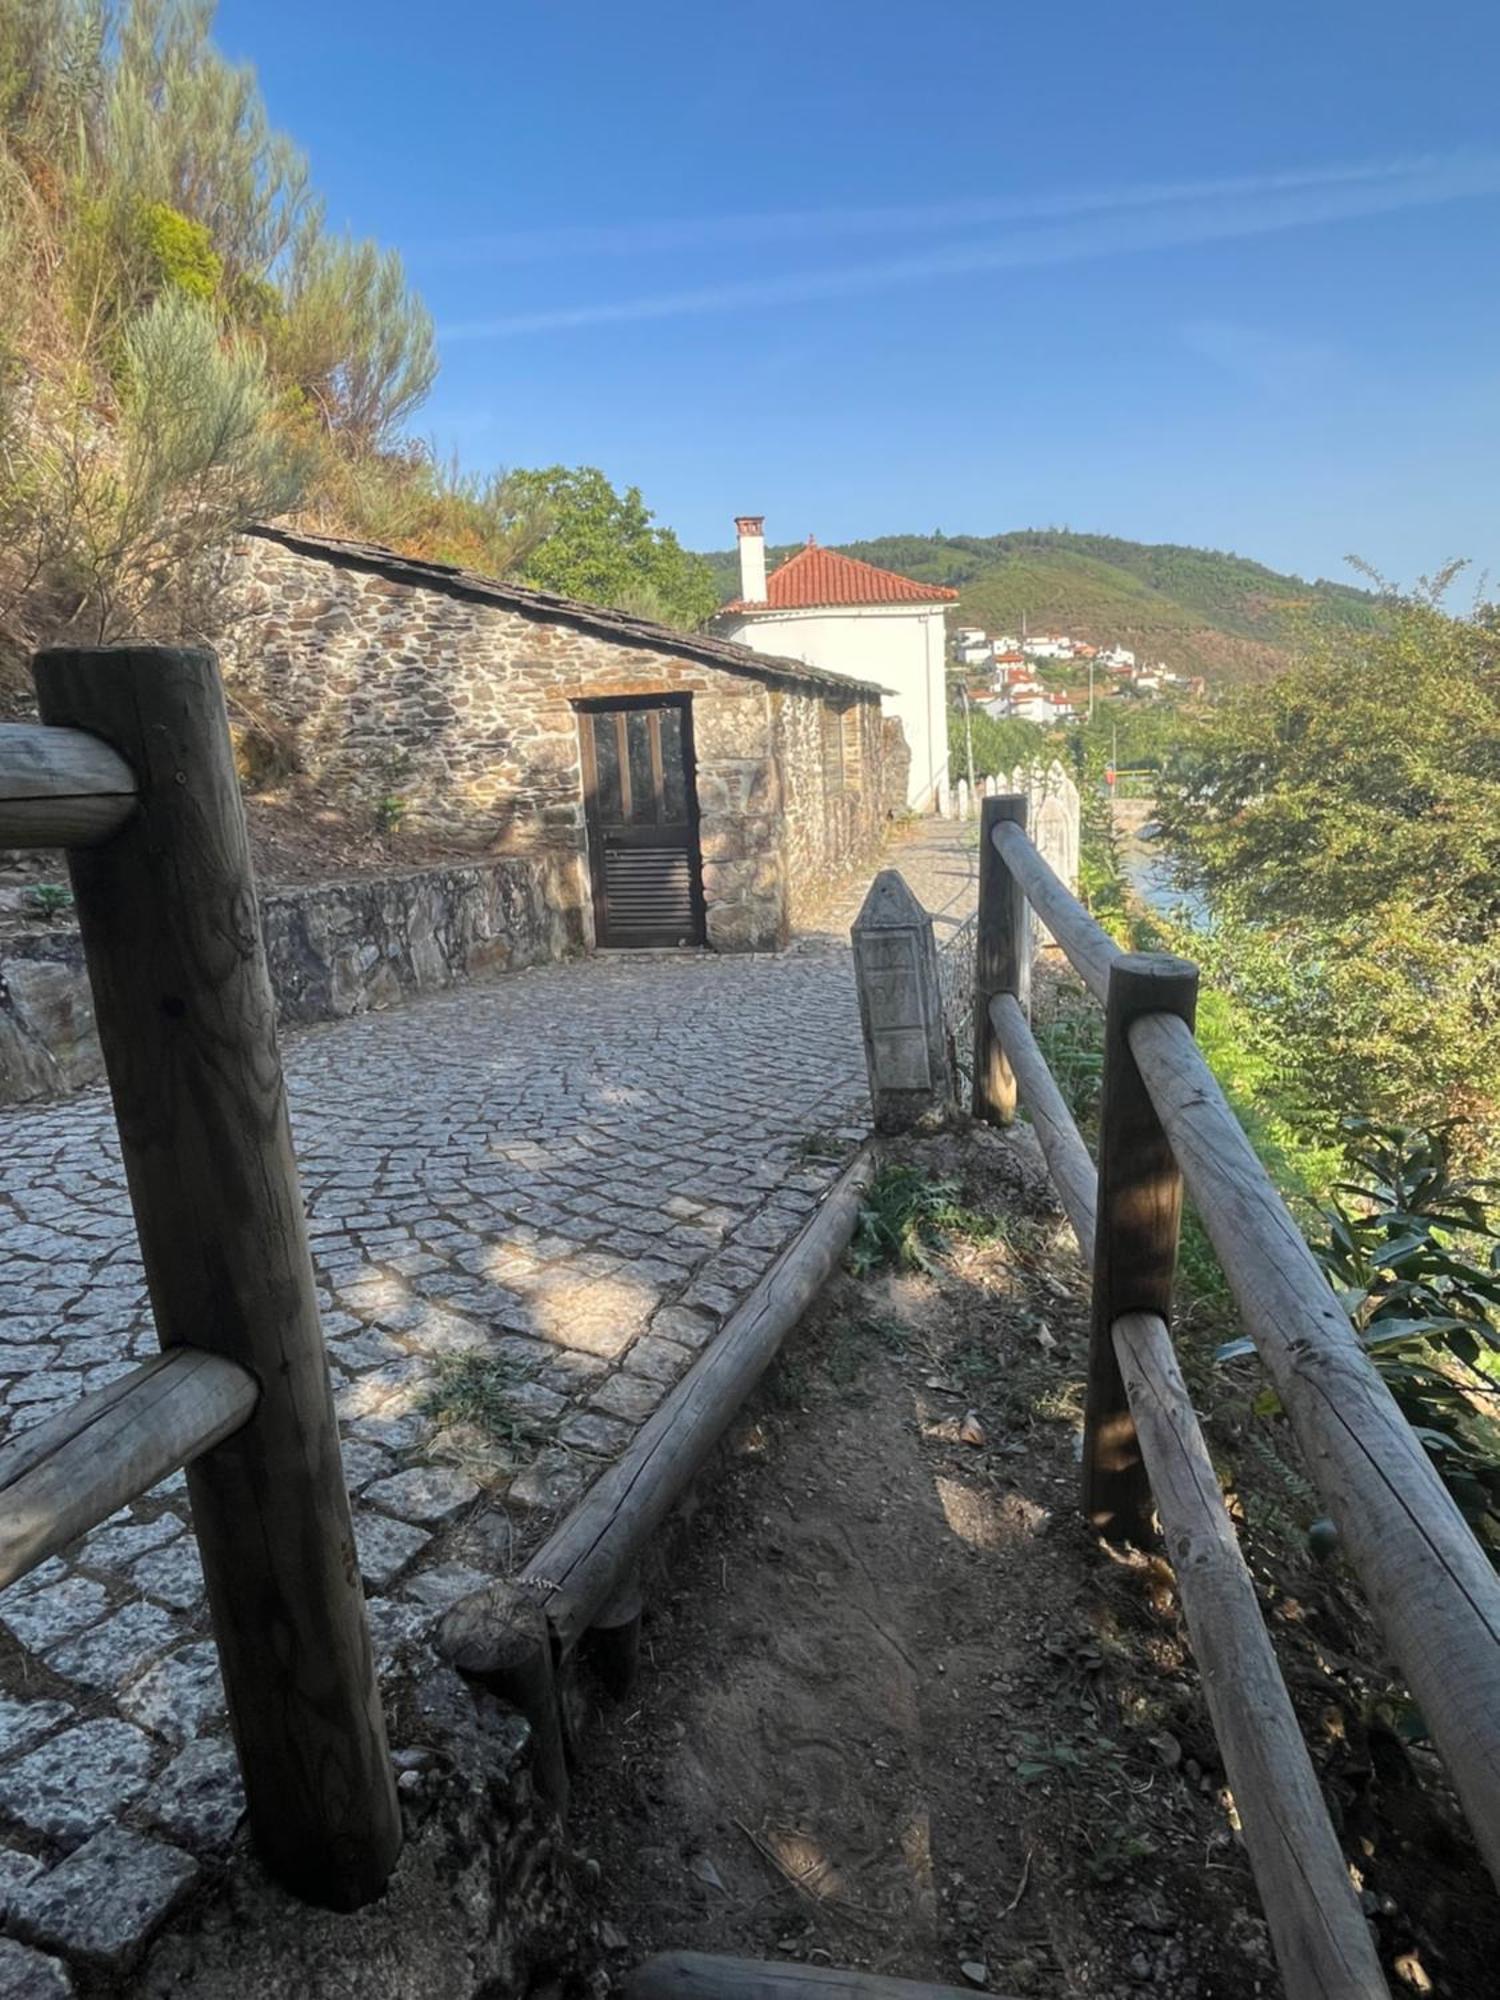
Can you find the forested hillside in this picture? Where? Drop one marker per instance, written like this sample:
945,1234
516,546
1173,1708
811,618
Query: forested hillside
1198,609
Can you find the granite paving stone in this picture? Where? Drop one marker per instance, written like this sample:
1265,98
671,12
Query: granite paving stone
429,1494
436,1589
103,1902
23,1723
179,1697
570,1175
46,1612
198,1801
632,1397
107,1654
16,1870
76,1782
122,1540
173,1575
31,1975
385,1547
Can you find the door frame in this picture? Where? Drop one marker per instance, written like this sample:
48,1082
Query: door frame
586,708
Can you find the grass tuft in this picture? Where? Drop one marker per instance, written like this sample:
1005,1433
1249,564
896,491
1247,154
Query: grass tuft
905,1217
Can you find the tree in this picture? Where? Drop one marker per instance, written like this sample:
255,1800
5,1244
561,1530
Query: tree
603,548
1000,743
1344,821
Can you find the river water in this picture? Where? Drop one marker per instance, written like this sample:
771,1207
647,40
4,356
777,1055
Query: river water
1152,872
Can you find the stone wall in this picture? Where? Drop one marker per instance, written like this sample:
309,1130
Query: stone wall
338,948
465,709
834,808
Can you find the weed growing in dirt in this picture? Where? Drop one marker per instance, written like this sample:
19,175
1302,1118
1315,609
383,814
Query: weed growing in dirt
1090,1770
906,1216
47,900
476,1390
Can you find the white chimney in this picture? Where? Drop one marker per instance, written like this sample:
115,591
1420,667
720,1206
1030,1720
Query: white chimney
751,529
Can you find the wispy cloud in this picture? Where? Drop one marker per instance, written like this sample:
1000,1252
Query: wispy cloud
785,227
1265,358
1064,229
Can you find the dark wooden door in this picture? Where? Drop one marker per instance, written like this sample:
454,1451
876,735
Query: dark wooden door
642,822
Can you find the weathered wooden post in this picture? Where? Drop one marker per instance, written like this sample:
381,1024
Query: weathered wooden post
498,1635
187,1023
1002,959
1135,1240
901,1009
615,1636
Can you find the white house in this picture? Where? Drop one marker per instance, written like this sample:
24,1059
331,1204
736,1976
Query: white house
829,610
1023,701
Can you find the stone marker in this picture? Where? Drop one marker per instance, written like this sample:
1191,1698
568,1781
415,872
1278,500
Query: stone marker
901,1009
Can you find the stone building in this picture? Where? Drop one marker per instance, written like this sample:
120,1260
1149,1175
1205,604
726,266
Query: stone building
668,788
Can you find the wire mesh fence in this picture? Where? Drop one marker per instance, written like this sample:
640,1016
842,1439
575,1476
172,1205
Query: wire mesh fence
955,958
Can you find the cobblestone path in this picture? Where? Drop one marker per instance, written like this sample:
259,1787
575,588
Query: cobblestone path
536,1199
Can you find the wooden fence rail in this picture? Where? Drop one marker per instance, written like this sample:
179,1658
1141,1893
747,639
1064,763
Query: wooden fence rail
1165,1124
66,1475
132,770
60,787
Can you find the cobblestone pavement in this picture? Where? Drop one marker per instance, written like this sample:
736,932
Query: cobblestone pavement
534,1200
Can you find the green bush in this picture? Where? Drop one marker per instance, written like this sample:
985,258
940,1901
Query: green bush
180,250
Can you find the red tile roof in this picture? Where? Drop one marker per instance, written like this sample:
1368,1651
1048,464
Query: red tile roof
815,577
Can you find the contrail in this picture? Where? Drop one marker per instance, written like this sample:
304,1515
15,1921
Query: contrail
636,239
1236,210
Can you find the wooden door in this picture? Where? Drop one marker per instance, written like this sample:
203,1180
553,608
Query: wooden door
642,822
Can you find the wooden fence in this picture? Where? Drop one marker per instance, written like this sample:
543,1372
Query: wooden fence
1164,1124
133,773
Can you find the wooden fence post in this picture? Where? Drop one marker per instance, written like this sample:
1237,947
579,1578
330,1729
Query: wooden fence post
1135,1242
1002,959
186,1019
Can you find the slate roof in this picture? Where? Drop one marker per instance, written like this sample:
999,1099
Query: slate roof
548,607
816,578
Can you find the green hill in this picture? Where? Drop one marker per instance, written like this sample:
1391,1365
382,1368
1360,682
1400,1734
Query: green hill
1202,611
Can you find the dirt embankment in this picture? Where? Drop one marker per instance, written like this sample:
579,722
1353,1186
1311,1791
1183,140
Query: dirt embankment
900,1710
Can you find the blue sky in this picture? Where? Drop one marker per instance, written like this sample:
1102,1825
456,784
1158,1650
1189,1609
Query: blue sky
1212,271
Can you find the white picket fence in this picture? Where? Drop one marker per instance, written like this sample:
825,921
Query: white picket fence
1052,809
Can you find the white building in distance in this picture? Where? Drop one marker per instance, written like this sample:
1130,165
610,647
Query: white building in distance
832,611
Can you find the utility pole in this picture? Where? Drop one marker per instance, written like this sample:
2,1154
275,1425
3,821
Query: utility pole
969,736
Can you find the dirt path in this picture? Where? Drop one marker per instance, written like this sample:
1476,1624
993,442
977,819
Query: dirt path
898,1709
